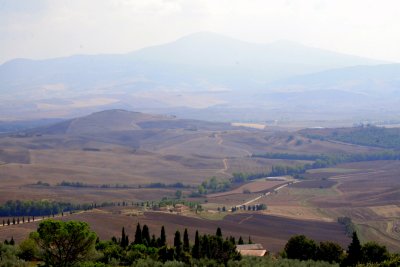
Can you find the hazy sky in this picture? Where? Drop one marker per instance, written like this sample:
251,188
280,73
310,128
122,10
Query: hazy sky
50,28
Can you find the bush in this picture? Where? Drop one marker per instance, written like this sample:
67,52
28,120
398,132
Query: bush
271,262
27,250
8,257
373,253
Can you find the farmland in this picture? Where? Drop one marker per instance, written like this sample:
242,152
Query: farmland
118,156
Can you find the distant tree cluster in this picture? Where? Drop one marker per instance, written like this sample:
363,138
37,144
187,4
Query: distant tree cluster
366,135
212,185
348,224
256,207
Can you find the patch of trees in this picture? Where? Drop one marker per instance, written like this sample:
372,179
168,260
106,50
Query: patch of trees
302,248
365,135
212,185
38,208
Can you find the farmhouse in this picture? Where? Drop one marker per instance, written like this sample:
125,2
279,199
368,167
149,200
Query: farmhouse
251,250
179,208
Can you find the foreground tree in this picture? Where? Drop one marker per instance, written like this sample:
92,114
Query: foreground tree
138,235
163,238
178,244
301,248
186,245
146,235
330,252
372,252
64,243
353,252
196,247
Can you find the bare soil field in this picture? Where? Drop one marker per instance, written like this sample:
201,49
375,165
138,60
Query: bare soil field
314,184
273,232
252,187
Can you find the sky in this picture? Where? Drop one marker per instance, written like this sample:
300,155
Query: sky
41,29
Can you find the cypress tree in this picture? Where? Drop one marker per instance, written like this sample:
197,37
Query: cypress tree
240,242
12,242
250,241
153,241
354,251
196,247
123,238
205,246
138,235
178,244
186,246
219,232
163,237
146,235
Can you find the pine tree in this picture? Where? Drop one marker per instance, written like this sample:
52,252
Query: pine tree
240,242
138,235
196,247
186,246
146,235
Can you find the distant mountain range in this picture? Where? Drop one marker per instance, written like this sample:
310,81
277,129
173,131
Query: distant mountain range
199,72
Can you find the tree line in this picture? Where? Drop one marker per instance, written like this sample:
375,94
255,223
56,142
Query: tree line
38,208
